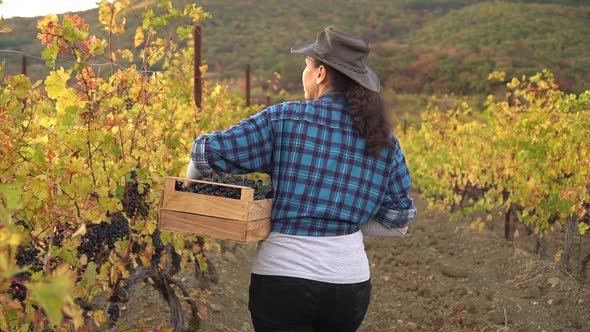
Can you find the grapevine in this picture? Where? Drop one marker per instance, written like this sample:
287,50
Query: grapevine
84,160
526,154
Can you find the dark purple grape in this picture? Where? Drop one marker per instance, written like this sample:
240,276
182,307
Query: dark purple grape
261,190
114,312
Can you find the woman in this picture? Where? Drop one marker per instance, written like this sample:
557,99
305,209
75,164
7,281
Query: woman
337,172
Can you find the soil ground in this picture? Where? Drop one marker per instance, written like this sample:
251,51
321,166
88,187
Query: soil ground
443,276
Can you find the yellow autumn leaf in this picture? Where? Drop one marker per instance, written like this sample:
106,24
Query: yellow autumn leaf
81,231
119,28
98,316
583,228
557,256
150,228
76,314
83,260
67,98
12,239
42,23
144,261
126,54
55,83
104,12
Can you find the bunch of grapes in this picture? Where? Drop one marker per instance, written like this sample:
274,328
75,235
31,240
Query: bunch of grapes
133,201
129,103
114,312
103,235
176,260
28,256
25,256
17,287
118,229
62,231
158,247
262,190
22,223
214,190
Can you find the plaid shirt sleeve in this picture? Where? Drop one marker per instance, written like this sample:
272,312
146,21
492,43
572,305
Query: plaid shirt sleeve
243,148
397,209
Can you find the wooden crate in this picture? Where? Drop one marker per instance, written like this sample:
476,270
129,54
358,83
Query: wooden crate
241,220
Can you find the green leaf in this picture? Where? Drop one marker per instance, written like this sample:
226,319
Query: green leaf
89,276
50,54
11,193
50,296
116,150
150,227
166,237
71,115
148,14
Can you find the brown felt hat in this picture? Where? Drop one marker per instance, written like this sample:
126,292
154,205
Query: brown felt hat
343,52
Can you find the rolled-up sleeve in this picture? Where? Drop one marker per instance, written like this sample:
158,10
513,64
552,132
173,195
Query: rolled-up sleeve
199,166
243,148
397,209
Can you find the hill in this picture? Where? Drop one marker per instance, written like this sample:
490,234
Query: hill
418,46
515,37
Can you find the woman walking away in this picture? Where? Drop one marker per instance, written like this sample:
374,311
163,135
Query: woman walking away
338,173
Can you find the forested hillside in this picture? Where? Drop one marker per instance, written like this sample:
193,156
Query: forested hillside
418,46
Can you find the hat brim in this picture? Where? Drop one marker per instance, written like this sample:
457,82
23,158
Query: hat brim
369,80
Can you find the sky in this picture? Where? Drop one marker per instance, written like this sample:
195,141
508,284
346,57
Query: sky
30,8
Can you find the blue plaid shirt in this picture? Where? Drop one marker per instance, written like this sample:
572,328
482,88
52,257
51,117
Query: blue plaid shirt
324,181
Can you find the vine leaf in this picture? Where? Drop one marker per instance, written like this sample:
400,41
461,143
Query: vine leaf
139,37
49,292
55,83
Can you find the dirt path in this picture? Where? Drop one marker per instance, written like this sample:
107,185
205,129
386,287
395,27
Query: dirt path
442,277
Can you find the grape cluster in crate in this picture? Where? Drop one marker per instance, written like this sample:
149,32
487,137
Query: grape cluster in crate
262,190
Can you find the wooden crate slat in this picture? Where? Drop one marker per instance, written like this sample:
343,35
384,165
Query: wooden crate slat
207,205
188,181
257,230
259,209
217,228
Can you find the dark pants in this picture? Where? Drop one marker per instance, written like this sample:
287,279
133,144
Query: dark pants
289,304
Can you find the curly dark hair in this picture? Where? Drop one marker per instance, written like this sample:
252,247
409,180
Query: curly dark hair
367,109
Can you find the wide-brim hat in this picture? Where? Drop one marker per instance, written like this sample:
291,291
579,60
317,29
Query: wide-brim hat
343,52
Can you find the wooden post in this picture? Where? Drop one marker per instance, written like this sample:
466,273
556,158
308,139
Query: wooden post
247,85
24,65
570,232
267,100
198,82
405,125
507,226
